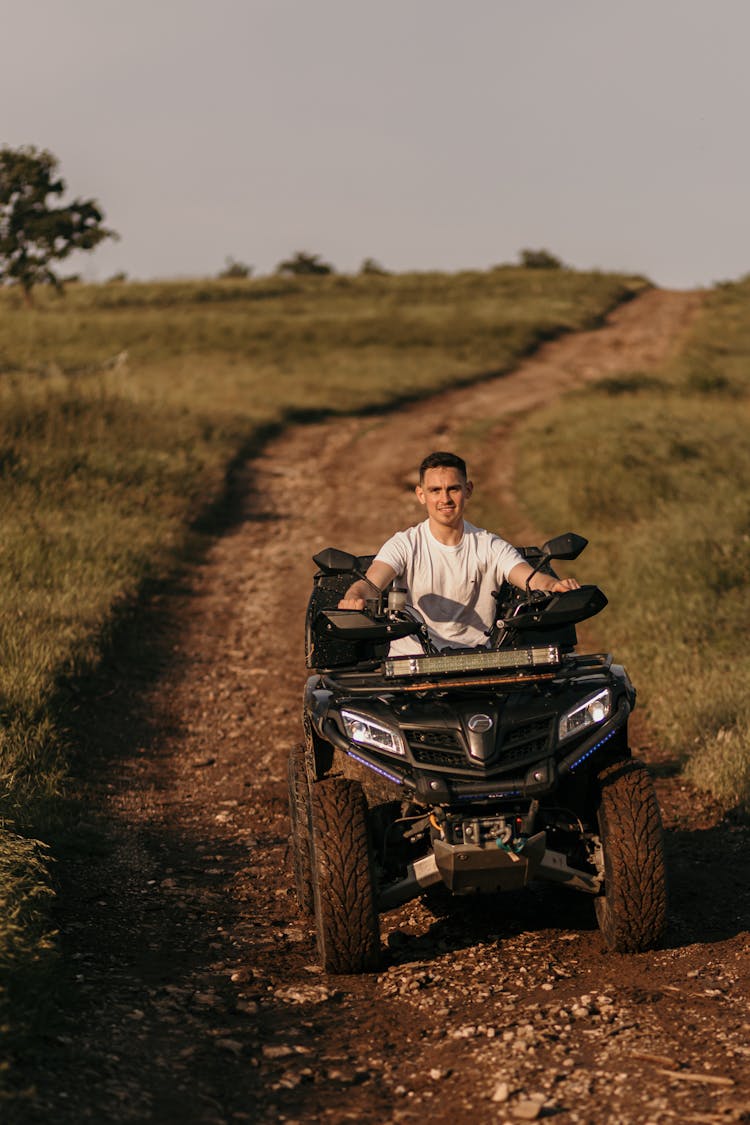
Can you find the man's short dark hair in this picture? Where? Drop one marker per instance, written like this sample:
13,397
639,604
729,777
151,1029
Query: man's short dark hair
442,461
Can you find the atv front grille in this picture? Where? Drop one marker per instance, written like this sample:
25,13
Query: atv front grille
437,748
515,744
524,743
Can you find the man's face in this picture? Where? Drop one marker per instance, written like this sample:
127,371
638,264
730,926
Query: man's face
444,493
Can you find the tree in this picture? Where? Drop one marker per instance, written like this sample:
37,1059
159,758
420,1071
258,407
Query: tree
234,269
34,232
304,263
372,266
540,260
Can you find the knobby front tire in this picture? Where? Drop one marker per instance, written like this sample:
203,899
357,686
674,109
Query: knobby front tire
342,874
632,912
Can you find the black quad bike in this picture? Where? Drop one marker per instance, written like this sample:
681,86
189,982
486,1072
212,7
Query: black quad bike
478,769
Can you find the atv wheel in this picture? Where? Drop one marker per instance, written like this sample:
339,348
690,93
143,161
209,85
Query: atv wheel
632,912
299,815
342,876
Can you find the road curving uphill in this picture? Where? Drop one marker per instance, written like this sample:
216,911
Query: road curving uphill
195,991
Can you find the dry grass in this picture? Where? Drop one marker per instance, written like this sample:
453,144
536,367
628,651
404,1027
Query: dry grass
121,407
655,471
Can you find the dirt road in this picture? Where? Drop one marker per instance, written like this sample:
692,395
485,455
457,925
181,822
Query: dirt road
193,991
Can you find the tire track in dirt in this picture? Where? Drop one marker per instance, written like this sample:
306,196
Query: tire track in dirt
194,993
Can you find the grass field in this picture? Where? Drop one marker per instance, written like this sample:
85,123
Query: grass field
121,407
655,471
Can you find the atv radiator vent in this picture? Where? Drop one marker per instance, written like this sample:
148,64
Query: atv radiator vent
437,748
471,661
526,742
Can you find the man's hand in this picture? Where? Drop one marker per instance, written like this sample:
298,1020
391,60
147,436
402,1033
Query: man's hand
522,572
378,576
564,584
352,603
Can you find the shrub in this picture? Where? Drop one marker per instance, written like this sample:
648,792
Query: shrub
234,269
540,260
302,264
373,267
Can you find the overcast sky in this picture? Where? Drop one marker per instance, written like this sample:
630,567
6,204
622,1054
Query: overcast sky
428,134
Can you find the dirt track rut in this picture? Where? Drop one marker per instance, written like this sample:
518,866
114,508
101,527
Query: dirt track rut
193,990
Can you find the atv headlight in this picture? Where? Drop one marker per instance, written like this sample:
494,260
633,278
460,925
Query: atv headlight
363,729
587,714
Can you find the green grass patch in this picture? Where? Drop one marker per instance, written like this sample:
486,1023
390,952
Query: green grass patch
655,470
121,407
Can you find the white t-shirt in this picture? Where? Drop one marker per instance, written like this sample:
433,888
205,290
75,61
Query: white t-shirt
450,586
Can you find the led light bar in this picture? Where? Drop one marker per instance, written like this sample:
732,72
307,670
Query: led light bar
471,661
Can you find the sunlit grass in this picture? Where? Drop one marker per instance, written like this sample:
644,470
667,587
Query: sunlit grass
121,407
655,471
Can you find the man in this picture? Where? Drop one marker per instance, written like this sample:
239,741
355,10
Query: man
449,567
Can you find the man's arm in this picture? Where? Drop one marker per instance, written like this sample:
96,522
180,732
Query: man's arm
378,575
521,571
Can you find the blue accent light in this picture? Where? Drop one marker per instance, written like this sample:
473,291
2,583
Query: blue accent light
593,749
377,769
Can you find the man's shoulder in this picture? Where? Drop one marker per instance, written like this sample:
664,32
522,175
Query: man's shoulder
401,543
488,542
409,534
481,535
472,529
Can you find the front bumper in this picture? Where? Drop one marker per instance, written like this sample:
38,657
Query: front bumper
540,778
488,868
465,868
